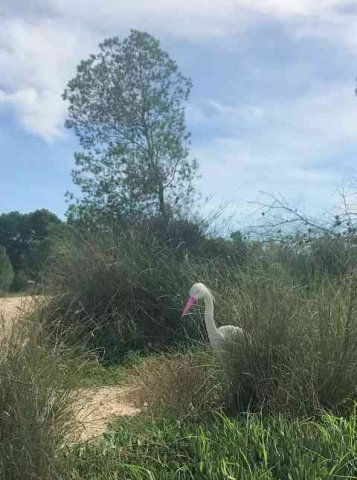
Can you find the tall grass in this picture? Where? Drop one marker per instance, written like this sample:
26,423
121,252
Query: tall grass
303,350
36,403
300,355
309,259
124,291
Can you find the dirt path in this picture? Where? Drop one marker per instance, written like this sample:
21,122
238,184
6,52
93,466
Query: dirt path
12,307
99,406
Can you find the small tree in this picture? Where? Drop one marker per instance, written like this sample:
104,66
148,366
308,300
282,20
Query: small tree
126,106
6,271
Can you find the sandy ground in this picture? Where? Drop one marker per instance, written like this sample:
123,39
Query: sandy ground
12,307
99,406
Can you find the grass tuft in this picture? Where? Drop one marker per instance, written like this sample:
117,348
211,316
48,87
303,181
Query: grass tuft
183,385
36,403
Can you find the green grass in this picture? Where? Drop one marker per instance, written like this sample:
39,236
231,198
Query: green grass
250,447
121,293
93,373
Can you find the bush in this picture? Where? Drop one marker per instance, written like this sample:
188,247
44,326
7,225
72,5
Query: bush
6,271
310,259
36,402
300,356
126,290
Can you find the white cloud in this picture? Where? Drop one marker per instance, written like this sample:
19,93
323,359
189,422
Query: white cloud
36,61
38,112
325,118
292,147
233,175
41,41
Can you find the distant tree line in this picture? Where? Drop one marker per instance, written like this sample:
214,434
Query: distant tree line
25,241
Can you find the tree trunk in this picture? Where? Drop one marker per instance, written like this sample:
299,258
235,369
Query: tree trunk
162,200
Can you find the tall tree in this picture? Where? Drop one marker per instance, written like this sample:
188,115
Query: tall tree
126,106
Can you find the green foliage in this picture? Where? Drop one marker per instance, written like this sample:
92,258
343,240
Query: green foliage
126,289
36,400
123,290
126,105
310,259
191,240
251,447
6,271
26,238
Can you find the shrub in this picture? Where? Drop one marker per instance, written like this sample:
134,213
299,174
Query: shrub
126,290
310,259
301,356
6,271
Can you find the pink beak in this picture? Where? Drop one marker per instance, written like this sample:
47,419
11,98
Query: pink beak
190,303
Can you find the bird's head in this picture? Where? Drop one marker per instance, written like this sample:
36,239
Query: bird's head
197,291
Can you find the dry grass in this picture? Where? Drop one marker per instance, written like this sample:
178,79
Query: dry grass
183,384
12,308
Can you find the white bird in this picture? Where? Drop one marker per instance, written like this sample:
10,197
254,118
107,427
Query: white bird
220,338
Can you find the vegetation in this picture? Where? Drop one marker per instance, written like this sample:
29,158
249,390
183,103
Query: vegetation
36,399
125,289
301,356
250,447
26,238
184,385
6,271
122,291
126,105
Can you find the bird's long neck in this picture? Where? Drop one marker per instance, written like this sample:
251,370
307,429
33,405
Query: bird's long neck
209,318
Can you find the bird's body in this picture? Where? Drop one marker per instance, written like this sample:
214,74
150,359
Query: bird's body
220,338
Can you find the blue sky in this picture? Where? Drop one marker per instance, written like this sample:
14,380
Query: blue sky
272,108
